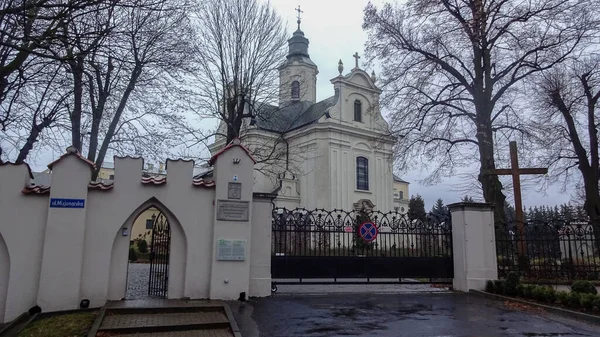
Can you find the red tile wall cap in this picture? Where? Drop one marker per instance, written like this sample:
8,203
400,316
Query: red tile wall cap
98,185
72,151
36,189
235,142
154,180
203,183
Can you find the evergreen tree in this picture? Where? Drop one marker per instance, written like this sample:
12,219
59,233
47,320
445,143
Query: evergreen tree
416,208
467,198
439,211
509,210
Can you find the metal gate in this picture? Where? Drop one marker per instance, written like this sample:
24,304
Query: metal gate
320,244
159,256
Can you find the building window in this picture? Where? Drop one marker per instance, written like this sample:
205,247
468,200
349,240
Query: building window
362,173
149,223
357,111
401,195
111,177
295,90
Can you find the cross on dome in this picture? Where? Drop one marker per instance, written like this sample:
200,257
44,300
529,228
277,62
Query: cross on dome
299,15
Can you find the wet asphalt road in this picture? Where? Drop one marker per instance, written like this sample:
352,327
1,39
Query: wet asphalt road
397,314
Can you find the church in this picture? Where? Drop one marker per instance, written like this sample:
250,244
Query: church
333,154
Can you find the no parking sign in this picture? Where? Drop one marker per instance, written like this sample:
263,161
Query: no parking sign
368,231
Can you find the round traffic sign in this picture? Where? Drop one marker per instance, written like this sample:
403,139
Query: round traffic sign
368,231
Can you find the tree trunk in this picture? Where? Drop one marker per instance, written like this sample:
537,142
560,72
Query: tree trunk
77,69
33,135
492,188
115,121
592,201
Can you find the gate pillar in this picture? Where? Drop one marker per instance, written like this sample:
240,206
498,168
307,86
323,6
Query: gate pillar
474,245
62,261
233,174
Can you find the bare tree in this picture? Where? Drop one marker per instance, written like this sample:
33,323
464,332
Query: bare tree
567,127
452,73
30,29
123,67
240,43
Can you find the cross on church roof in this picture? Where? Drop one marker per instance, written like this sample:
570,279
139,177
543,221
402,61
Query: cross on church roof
356,57
299,15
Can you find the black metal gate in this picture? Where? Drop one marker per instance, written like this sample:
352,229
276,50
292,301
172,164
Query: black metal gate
159,257
311,244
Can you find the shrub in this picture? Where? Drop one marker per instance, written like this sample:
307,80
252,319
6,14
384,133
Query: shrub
521,290
562,297
538,293
499,286
596,302
132,255
584,287
512,281
142,246
587,301
574,299
527,291
489,286
549,295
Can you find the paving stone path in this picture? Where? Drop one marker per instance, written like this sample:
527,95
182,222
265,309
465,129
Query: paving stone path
166,318
195,333
162,319
137,281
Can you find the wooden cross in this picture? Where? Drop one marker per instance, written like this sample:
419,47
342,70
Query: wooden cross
356,58
515,171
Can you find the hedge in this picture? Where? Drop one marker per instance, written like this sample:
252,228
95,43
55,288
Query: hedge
583,295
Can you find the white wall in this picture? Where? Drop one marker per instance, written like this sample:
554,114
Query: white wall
22,227
59,256
4,271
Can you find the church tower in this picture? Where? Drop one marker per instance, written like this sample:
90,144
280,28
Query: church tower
298,73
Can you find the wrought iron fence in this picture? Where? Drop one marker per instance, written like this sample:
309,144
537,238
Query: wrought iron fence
302,232
551,252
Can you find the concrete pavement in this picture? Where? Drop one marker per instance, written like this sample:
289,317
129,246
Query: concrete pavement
396,314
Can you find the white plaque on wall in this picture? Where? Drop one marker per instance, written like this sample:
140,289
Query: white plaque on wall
231,250
230,210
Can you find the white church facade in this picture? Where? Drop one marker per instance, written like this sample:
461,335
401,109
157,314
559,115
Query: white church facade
334,153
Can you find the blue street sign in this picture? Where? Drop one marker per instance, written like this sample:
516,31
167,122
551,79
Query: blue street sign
67,203
368,231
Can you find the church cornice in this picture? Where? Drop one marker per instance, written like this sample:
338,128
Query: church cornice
347,80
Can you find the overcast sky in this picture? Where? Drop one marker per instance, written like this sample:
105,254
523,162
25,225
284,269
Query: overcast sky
334,28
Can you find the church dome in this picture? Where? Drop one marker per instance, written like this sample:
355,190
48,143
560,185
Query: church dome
298,45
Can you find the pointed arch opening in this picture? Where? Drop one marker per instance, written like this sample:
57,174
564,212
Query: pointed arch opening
149,255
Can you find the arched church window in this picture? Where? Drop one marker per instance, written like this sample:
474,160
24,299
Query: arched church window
362,173
357,111
295,90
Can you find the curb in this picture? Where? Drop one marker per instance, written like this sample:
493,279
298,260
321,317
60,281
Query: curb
233,324
96,326
23,318
560,311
